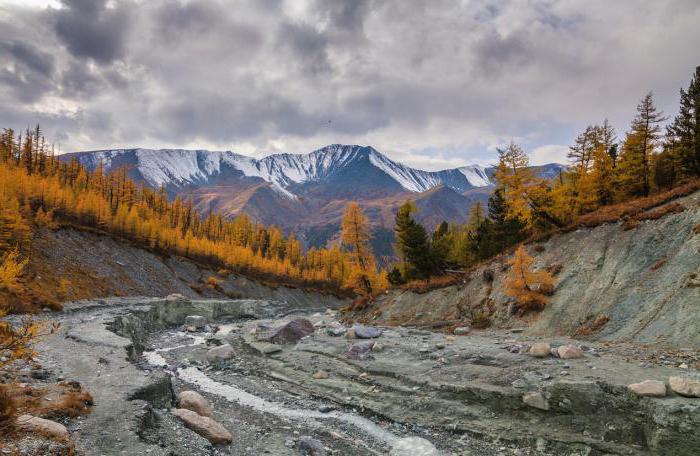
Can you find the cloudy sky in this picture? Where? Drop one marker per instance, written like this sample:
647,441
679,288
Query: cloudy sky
434,84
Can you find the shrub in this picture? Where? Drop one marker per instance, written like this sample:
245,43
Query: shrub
481,319
213,282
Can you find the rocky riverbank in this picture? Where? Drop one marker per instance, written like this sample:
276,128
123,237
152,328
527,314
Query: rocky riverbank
322,388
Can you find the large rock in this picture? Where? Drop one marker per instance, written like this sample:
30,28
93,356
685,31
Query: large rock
192,400
290,332
569,352
685,386
413,446
221,353
311,447
536,400
195,321
540,350
36,425
366,332
653,388
204,426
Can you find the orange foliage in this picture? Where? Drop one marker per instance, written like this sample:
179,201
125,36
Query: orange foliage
529,288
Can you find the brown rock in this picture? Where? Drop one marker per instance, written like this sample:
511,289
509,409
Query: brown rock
539,350
570,352
192,400
204,426
652,388
220,353
44,427
685,386
320,375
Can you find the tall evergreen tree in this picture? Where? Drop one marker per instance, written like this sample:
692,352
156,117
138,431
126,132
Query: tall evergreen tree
684,133
641,142
412,245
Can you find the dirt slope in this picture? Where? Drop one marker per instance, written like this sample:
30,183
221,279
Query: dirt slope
68,265
646,281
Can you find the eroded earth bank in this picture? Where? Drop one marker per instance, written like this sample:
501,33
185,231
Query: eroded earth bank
290,379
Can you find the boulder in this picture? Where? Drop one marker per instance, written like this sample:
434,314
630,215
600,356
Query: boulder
685,386
540,350
48,428
653,388
366,332
195,321
570,352
413,446
290,332
204,426
221,353
192,400
359,352
462,330
536,400
310,447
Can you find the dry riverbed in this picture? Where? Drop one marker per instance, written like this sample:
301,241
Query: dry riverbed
396,391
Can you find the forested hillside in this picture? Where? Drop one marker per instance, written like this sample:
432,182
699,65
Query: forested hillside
37,190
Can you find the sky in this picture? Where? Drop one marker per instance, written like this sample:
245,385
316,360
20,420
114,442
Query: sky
434,84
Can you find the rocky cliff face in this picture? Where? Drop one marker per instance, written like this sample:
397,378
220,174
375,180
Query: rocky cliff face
645,282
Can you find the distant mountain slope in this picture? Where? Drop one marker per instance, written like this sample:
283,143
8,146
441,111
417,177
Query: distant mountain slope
305,193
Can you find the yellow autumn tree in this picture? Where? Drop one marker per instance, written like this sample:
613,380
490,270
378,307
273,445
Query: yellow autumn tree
531,289
515,178
355,237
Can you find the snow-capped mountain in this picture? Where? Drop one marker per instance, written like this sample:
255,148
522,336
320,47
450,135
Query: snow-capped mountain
290,174
306,193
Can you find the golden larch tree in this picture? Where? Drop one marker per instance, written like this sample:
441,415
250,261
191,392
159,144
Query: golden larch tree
355,237
531,289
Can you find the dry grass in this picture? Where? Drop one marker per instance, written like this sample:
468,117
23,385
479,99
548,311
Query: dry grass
8,410
658,265
635,209
424,286
592,325
61,400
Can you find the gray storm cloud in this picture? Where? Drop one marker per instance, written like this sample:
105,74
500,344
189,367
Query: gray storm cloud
436,83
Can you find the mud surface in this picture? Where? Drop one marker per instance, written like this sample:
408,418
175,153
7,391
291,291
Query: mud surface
464,394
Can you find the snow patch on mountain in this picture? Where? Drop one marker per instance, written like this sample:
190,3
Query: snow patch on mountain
180,167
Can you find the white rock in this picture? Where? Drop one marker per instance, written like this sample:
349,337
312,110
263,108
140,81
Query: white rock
685,386
204,426
196,321
570,352
413,446
652,388
192,400
36,425
462,330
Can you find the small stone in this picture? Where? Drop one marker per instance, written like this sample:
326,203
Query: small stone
462,330
652,388
310,447
377,347
320,375
192,400
326,409
350,333
39,374
413,446
359,352
204,426
450,338
683,366
36,425
196,321
335,331
221,353
685,386
176,297
570,352
539,350
536,400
